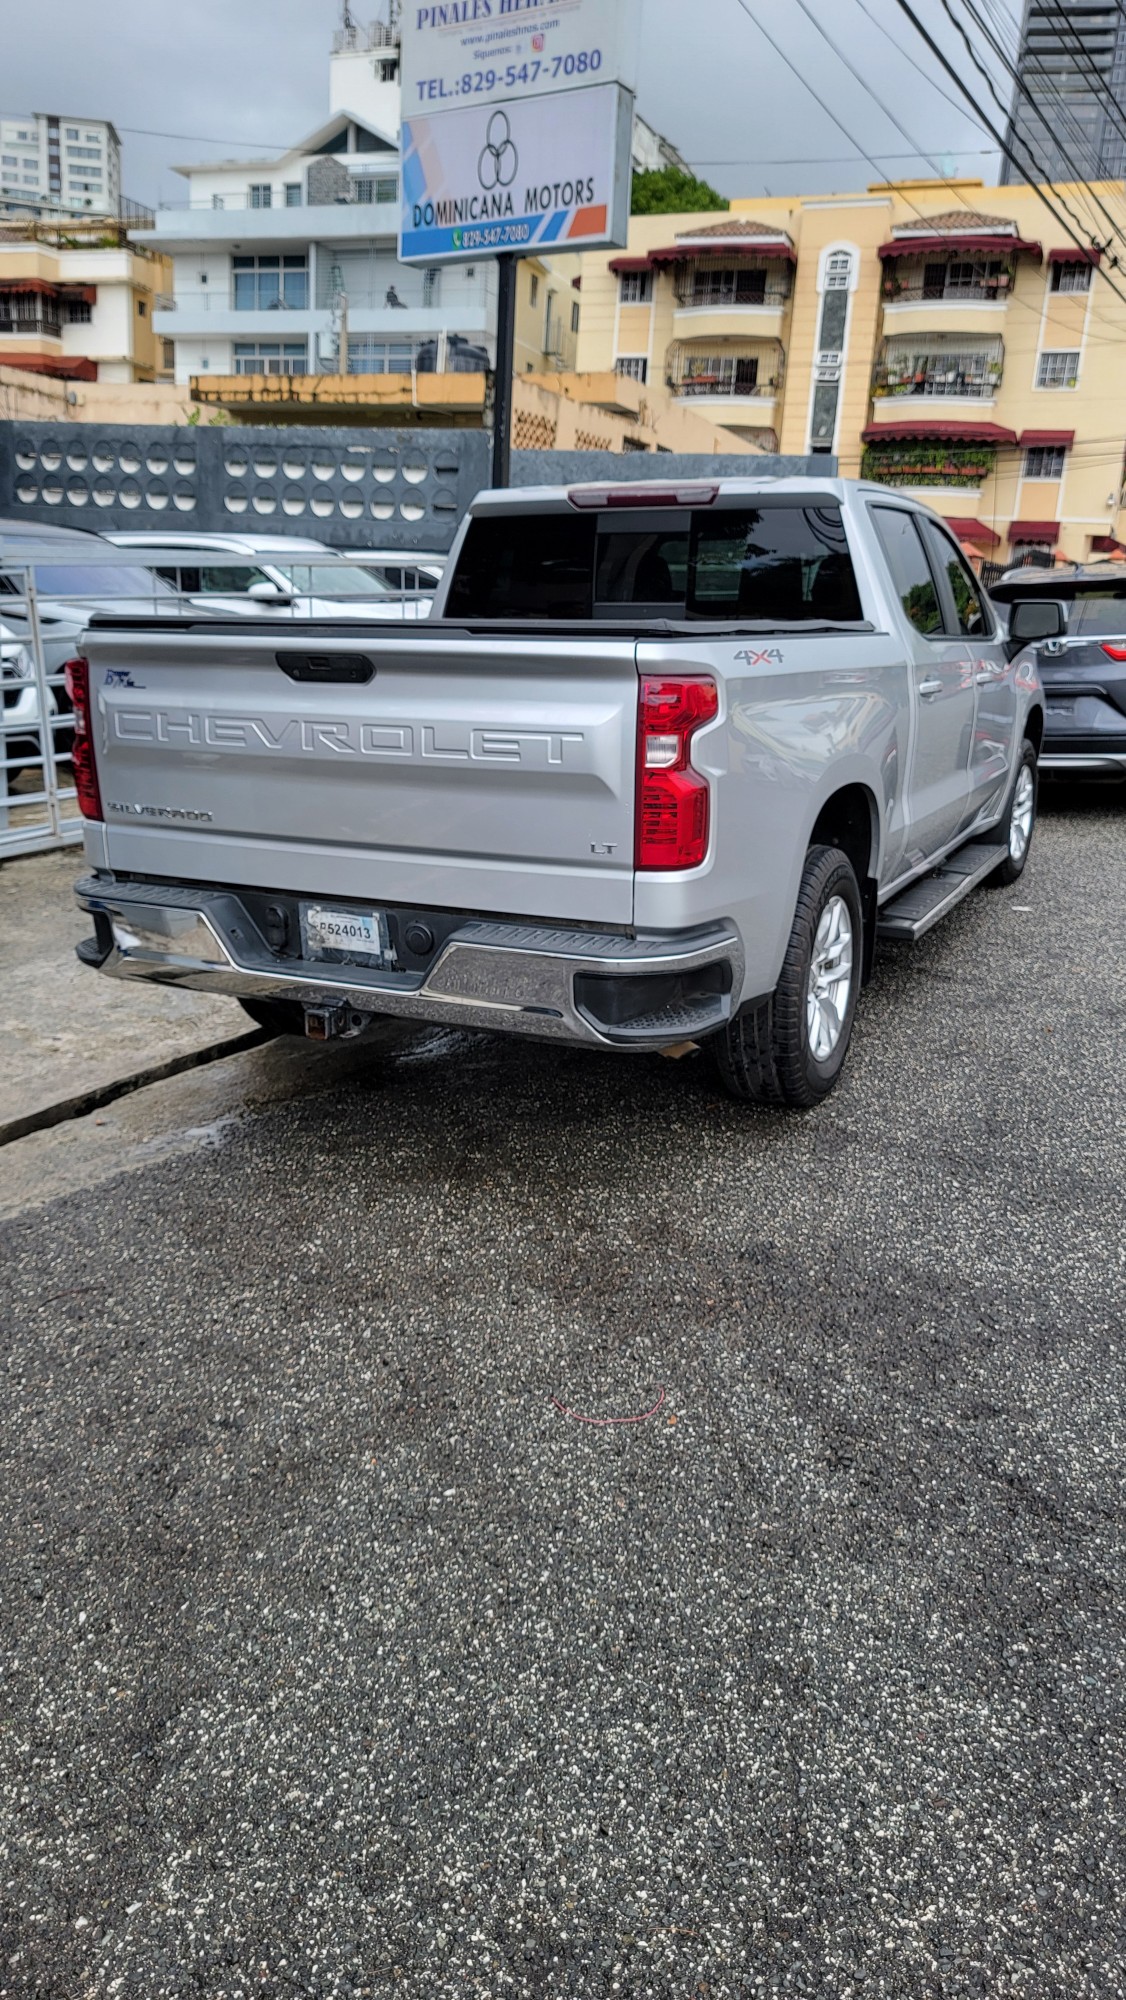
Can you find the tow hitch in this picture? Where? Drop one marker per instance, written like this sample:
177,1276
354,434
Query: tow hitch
330,1024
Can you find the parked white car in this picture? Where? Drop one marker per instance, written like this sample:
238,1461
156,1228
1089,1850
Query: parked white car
402,569
252,575
19,695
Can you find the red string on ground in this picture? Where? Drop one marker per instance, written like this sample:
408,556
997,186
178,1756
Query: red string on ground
579,1419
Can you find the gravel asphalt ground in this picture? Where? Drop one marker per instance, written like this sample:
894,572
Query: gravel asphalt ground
338,1659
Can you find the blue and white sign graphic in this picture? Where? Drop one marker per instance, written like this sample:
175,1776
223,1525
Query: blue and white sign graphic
528,174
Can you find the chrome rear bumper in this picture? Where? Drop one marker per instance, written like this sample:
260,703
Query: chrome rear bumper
530,979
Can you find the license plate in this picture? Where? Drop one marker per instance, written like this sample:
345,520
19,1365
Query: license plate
343,937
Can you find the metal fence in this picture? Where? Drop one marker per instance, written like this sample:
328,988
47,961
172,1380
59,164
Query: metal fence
38,803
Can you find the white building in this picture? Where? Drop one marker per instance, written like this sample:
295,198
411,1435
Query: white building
288,265
51,165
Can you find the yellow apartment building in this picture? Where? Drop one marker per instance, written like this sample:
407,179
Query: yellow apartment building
77,301
941,336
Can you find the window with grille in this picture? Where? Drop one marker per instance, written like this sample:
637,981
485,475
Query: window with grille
635,288
293,194
261,194
381,357
271,357
1071,277
1059,368
270,284
534,291
636,366
1044,461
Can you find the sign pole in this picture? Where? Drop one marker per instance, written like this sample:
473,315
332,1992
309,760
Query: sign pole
505,364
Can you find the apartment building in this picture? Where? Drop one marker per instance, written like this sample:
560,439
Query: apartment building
941,336
77,302
52,165
1066,116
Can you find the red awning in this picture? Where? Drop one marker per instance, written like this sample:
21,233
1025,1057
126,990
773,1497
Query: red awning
724,248
629,264
1105,545
1034,531
972,531
1064,438
29,285
946,431
76,370
1073,255
930,246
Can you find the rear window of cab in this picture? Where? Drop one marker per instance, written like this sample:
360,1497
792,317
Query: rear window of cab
780,564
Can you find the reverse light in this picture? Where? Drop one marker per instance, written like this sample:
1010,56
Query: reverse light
673,799
85,770
1114,652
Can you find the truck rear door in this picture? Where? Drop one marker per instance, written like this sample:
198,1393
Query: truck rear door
428,768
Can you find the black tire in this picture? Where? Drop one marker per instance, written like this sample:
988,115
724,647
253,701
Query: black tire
1011,867
281,1017
764,1055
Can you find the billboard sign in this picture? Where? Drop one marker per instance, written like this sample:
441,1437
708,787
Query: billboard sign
524,176
486,51
517,125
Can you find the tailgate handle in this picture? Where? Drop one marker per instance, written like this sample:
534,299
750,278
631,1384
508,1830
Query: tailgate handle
347,669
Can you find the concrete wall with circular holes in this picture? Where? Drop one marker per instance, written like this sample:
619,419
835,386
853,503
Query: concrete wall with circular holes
349,488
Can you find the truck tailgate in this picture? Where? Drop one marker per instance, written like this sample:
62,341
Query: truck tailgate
492,774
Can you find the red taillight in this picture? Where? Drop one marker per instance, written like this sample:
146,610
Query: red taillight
82,751
672,798
1114,652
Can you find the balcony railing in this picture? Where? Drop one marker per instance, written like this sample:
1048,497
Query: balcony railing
50,329
722,378
959,282
940,370
730,290
727,368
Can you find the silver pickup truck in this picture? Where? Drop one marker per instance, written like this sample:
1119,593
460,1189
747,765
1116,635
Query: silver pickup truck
663,765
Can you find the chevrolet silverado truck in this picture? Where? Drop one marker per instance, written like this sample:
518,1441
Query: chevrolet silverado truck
660,770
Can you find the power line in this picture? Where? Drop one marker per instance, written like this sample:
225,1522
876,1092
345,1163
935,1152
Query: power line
1050,90
835,159
898,46
1115,227
1101,91
1041,171
951,189
200,139
926,37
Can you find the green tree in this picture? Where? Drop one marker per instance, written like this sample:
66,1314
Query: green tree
671,191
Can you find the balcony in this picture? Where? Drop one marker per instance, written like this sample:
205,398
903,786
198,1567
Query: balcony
43,327
950,281
726,371
943,366
198,227
700,286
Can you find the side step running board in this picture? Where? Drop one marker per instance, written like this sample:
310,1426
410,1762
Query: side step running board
926,902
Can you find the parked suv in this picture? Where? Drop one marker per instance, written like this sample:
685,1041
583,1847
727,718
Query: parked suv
259,575
1084,671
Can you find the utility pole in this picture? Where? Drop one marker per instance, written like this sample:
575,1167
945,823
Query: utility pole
507,263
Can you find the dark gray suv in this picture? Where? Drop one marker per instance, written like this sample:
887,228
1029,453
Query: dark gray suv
1083,672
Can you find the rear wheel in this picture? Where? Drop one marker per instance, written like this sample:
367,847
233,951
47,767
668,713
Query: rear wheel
789,1050
1018,821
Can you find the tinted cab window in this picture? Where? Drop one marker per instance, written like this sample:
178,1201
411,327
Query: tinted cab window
970,617
776,563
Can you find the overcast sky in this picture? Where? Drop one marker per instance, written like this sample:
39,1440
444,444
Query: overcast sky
218,77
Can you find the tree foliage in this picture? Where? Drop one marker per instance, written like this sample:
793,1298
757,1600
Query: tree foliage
671,191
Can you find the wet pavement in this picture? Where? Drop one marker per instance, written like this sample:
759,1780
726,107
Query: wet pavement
339,1659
